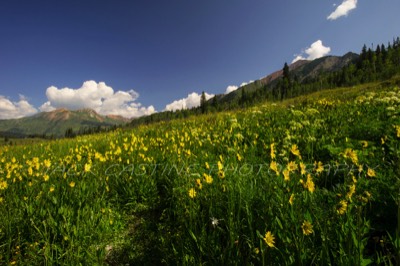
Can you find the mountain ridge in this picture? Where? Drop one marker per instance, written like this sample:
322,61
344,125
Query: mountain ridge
57,122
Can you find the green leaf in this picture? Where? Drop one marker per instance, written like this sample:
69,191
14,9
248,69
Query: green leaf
365,262
279,222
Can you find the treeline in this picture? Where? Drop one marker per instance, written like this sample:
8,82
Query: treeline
373,64
71,133
377,64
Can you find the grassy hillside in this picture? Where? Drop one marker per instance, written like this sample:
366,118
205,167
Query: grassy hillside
313,180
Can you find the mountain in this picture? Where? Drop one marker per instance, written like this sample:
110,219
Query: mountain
57,122
302,70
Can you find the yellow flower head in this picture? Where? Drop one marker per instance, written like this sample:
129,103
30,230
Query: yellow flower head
364,143
371,172
208,178
349,153
269,239
273,156
397,127
274,166
352,190
307,228
291,199
310,184
192,193
87,167
319,167
72,184
47,163
46,177
221,174
220,166
295,151
342,207
199,184
3,185
302,168
292,166
286,175
51,189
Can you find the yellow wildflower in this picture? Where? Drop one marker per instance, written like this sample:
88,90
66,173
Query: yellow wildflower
274,166
302,168
269,239
319,167
292,166
220,166
208,178
364,144
295,151
46,177
87,167
342,207
192,193
351,191
207,165
291,199
310,184
307,228
286,175
47,163
3,185
221,174
72,184
199,184
51,189
30,171
371,172
397,127
349,153
273,156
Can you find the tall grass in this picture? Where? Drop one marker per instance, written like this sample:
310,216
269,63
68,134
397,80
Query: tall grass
310,181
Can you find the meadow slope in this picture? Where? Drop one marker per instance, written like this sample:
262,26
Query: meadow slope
312,180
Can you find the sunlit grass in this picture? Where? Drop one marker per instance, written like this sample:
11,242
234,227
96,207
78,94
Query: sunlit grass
311,180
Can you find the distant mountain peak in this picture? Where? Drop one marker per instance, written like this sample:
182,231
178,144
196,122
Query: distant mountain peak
56,122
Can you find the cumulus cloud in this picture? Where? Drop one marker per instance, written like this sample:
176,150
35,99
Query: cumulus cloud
343,9
11,110
316,50
231,88
96,96
192,100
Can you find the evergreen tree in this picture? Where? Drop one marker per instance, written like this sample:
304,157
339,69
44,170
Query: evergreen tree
203,103
286,81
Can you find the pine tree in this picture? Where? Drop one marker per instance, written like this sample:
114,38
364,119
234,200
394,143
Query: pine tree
203,103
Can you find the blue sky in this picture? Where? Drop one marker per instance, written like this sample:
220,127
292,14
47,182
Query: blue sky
136,57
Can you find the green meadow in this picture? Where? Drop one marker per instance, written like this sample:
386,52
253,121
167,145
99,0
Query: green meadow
313,180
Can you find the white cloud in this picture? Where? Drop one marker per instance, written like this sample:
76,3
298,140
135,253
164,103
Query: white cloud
316,50
192,100
343,9
231,88
97,96
11,110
